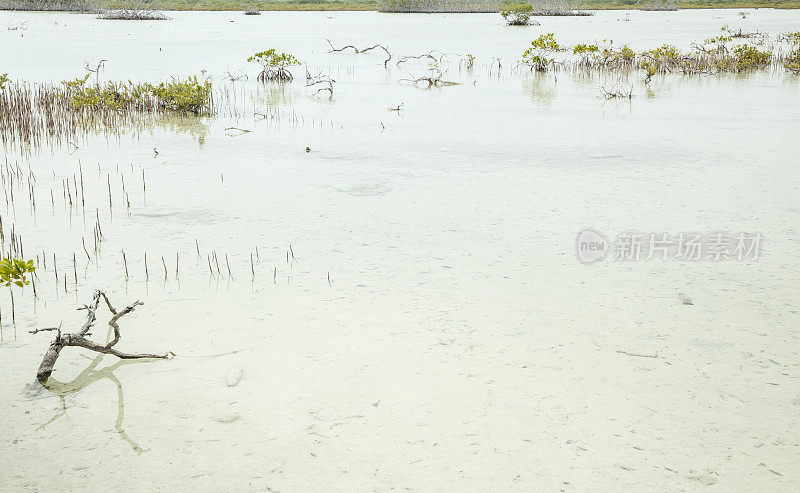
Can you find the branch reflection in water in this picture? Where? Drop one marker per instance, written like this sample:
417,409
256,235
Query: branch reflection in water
87,377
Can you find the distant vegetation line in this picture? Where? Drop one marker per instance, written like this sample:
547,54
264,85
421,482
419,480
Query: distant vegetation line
333,5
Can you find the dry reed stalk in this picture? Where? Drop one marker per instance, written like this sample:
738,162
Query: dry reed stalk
83,242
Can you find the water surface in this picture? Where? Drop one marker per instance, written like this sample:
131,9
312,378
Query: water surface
432,328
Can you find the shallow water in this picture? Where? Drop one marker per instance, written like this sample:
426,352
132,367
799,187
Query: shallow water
460,343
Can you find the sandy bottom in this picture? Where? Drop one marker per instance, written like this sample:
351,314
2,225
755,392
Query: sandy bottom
432,327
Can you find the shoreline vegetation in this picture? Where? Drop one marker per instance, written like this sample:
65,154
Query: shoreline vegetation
408,6
32,113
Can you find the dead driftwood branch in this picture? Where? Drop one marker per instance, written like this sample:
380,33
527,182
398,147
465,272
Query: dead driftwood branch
637,355
433,80
241,131
356,50
428,55
78,339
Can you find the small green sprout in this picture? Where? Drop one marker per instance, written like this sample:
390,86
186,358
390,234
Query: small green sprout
14,271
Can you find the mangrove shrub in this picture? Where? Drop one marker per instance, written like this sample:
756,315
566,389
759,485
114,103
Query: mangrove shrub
517,14
274,65
189,96
537,56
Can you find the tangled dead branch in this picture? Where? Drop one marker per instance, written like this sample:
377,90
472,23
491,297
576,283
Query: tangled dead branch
236,75
78,339
325,81
433,80
356,50
740,33
617,91
95,70
435,57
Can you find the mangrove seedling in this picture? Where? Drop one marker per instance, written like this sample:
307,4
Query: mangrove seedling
14,271
650,70
274,65
3,81
468,61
